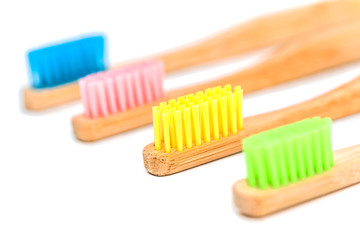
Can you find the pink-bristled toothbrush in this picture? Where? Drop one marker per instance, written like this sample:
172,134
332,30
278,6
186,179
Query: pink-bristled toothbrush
307,54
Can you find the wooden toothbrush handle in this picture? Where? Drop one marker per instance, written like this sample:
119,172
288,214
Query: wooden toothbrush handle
255,202
260,32
338,103
341,102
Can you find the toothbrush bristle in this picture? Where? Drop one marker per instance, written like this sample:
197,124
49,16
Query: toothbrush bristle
197,118
66,62
110,92
289,153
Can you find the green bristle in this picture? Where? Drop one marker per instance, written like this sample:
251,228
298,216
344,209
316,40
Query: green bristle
289,153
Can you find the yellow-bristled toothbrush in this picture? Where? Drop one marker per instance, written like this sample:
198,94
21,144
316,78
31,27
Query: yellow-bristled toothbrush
224,137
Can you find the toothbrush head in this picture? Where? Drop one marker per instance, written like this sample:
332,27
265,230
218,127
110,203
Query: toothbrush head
66,62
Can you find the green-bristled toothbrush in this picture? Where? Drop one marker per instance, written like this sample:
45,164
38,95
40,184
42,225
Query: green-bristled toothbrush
292,164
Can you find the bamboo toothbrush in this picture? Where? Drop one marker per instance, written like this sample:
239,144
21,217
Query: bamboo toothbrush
293,164
296,58
338,103
56,64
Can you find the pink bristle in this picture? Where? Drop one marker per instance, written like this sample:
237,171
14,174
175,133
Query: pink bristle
108,93
145,82
157,75
120,92
129,88
102,101
152,78
138,87
93,105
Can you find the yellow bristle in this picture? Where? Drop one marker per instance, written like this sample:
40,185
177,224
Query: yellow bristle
208,92
199,94
172,128
186,102
204,109
157,128
166,126
239,96
162,109
232,113
176,105
181,99
217,89
187,127
172,102
198,118
227,87
178,130
190,97
223,110
181,107
215,118
195,113
211,121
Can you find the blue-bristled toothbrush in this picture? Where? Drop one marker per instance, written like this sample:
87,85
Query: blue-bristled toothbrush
55,69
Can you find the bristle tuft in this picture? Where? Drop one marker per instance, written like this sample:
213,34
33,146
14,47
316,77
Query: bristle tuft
289,153
67,62
198,118
107,93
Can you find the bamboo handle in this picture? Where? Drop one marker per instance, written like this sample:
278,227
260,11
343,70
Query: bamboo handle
260,32
257,203
341,102
46,98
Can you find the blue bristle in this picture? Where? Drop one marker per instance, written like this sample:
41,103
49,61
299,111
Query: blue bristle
66,62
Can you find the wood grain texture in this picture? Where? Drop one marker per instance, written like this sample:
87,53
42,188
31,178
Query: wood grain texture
255,202
340,102
39,99
261,32
296,58
246,37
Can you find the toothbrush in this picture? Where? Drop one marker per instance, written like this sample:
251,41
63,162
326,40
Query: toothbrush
293,164
338,103
255,34
296,58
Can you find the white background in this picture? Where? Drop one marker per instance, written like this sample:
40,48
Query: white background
55,187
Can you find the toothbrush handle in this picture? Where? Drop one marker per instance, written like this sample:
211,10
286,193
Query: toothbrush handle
338,103
259,33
